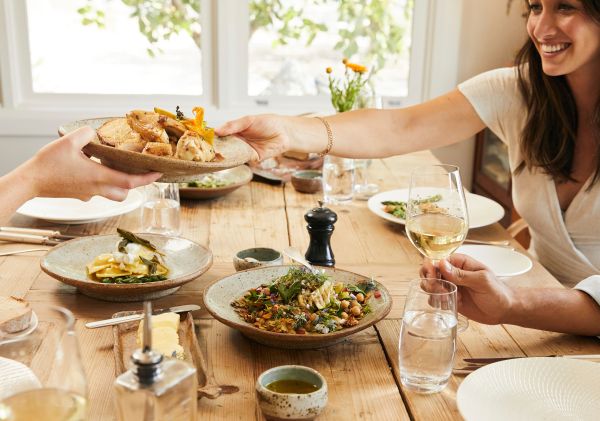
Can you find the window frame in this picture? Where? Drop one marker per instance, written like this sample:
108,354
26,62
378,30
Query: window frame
224,51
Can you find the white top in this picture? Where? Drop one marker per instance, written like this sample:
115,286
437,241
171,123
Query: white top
567,245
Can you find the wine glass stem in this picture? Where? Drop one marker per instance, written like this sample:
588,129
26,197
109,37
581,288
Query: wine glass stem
436,266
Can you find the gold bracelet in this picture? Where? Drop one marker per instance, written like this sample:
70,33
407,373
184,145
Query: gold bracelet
329,137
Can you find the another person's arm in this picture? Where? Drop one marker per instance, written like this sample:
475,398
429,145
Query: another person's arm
365,133
486,299
60,169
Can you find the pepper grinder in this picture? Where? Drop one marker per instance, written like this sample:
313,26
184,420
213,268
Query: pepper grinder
320,227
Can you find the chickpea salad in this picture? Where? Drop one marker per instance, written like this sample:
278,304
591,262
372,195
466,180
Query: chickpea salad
301,302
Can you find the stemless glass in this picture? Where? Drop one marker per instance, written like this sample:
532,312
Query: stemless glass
338,180
437,219
42,372
161,210
428,335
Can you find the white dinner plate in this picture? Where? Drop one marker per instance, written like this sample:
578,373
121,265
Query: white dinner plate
531,389
73,211
482,211
501,260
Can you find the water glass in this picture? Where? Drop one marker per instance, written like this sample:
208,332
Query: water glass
161,210
363,188
42,372
428,335
338,180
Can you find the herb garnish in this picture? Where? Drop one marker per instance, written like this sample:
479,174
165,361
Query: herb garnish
133,279
129,237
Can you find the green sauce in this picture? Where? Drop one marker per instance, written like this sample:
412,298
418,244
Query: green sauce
292,386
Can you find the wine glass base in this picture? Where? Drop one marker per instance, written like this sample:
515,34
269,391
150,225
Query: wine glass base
365,191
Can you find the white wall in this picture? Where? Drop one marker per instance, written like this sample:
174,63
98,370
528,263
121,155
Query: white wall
471,36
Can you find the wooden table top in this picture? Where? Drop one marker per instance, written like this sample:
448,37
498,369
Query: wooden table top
362,372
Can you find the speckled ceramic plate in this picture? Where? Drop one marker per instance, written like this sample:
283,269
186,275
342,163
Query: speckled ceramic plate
234,177
234,151
66,262
219,295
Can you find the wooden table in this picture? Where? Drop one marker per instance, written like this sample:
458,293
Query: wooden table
362,372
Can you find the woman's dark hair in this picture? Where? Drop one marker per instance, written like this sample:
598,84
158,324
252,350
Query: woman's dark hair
548,138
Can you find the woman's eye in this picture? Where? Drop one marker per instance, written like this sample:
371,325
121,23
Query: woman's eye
535,8
564,6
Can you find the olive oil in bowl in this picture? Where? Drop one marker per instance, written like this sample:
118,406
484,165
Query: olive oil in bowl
292,386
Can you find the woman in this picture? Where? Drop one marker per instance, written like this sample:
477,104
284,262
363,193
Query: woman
546,109
60,169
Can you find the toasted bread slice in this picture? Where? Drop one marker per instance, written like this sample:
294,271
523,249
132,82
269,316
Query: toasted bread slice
147,125
192,147
173,127
15,314
158,149
116,132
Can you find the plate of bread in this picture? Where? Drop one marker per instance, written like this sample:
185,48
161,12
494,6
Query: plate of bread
179,147
17,319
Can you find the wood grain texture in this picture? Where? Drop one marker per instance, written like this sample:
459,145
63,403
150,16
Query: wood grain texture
362,372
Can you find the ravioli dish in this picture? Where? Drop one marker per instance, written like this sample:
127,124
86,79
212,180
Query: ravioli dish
302,302
134,261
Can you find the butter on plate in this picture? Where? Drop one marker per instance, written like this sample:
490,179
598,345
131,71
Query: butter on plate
164,335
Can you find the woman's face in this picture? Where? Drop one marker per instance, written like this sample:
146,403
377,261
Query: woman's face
567,39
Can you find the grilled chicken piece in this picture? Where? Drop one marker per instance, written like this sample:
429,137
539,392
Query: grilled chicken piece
191,147
147,125
118,134
173,127
158,149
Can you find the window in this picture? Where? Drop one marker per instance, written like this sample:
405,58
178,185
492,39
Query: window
86,57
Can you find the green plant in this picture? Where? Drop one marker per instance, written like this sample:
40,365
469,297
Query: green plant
367,22
346,93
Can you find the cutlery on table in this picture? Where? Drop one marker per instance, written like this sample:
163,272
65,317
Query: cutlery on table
10,253
473,364
501,243
134,317
33,236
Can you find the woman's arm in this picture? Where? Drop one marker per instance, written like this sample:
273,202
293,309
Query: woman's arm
365,133
60,169
486,299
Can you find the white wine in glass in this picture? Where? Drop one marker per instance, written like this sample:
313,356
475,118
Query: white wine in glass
437,220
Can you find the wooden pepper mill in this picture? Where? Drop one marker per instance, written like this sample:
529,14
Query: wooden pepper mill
320,227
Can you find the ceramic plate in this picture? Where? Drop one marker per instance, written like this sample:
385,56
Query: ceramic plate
73,211
530,389
66,262
502,261
482,211
234,151
219,295
234,177
33,324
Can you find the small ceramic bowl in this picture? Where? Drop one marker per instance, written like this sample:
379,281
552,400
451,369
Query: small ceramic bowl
257,257
291,406
307,181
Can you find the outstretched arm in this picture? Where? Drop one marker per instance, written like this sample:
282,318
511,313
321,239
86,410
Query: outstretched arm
486,299
60,169
365,133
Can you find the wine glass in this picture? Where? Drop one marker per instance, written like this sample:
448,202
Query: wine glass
437,219
43,376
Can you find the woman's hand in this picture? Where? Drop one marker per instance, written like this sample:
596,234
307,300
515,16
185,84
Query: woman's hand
60,169
481,296
266,133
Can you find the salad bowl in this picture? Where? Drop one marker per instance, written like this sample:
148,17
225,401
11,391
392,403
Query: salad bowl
219,295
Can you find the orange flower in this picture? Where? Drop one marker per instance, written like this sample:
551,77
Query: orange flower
345,60
328,70
356,67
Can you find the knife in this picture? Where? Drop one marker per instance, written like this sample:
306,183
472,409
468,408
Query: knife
495,360
134,317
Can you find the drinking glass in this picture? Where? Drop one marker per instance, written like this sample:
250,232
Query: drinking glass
363,188
42,372
428,335
437,219
161,210
338,180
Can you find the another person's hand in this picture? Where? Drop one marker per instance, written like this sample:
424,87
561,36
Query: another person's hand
61,169
481,296
266,133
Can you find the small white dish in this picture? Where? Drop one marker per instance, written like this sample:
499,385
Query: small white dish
33,324
16,377
73,211
482,211
502,261
530,389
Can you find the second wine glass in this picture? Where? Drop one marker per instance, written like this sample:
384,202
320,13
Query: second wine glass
437,219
